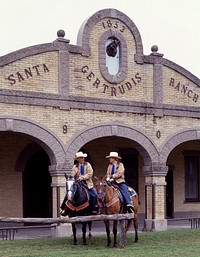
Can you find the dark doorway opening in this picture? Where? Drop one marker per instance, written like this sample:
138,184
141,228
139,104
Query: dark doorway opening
37,192
130,161
169,195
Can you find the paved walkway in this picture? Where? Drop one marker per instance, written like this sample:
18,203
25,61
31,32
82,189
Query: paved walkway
97,228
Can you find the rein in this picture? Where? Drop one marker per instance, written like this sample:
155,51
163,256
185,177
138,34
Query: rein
74,193
112,201
74,205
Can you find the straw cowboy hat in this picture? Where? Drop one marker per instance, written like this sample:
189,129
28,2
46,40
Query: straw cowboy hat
113,155
80,155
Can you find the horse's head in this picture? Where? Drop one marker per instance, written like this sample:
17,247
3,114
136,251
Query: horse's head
101,188
73,188
70,187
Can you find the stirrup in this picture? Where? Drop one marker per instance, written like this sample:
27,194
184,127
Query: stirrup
130,208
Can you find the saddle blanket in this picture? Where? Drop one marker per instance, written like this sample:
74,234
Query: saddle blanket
132,193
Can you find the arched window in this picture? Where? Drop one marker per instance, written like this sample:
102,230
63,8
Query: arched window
113,55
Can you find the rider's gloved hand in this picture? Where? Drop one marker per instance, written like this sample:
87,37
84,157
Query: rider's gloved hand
80,178
111,178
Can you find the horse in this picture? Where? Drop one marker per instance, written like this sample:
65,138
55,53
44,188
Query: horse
110,203
77,204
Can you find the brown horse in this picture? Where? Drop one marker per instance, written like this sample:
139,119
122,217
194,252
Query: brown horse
110,203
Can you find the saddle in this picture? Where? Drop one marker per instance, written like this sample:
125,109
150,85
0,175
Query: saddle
131,191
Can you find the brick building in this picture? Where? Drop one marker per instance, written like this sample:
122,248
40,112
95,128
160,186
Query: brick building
100,95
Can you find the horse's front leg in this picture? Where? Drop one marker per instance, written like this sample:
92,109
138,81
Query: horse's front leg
90,228
115,233
74,233
84,224
107,224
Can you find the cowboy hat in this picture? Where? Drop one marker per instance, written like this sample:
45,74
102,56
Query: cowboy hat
113,155
80,155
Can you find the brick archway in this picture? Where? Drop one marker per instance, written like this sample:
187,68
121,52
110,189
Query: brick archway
177,139
40,134
84,32
144,145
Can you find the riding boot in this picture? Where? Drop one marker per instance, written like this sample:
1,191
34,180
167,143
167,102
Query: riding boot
62,207
63,202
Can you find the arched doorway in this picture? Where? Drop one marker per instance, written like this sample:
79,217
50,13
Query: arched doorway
181,152
18,154
99,148
37,192
99,140
144,145
183,180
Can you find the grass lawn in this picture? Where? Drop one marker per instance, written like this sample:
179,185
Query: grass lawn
168,243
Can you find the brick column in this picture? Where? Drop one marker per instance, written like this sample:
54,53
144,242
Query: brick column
58,187
155,198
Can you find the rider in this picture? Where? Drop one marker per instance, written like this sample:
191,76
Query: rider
115,172
83,171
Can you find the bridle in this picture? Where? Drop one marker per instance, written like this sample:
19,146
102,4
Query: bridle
72,187
101,194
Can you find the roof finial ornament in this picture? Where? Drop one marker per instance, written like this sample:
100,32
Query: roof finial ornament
61,35
154,50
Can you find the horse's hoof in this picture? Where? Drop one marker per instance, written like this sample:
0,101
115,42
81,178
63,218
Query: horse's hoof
84,243
90,236
115,245
108,243
74,243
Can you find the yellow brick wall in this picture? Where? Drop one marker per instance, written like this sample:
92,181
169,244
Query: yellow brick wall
176,159
11,195
76,120
159,196
80,85
58,180
175,93
80,119
177,89
45,82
